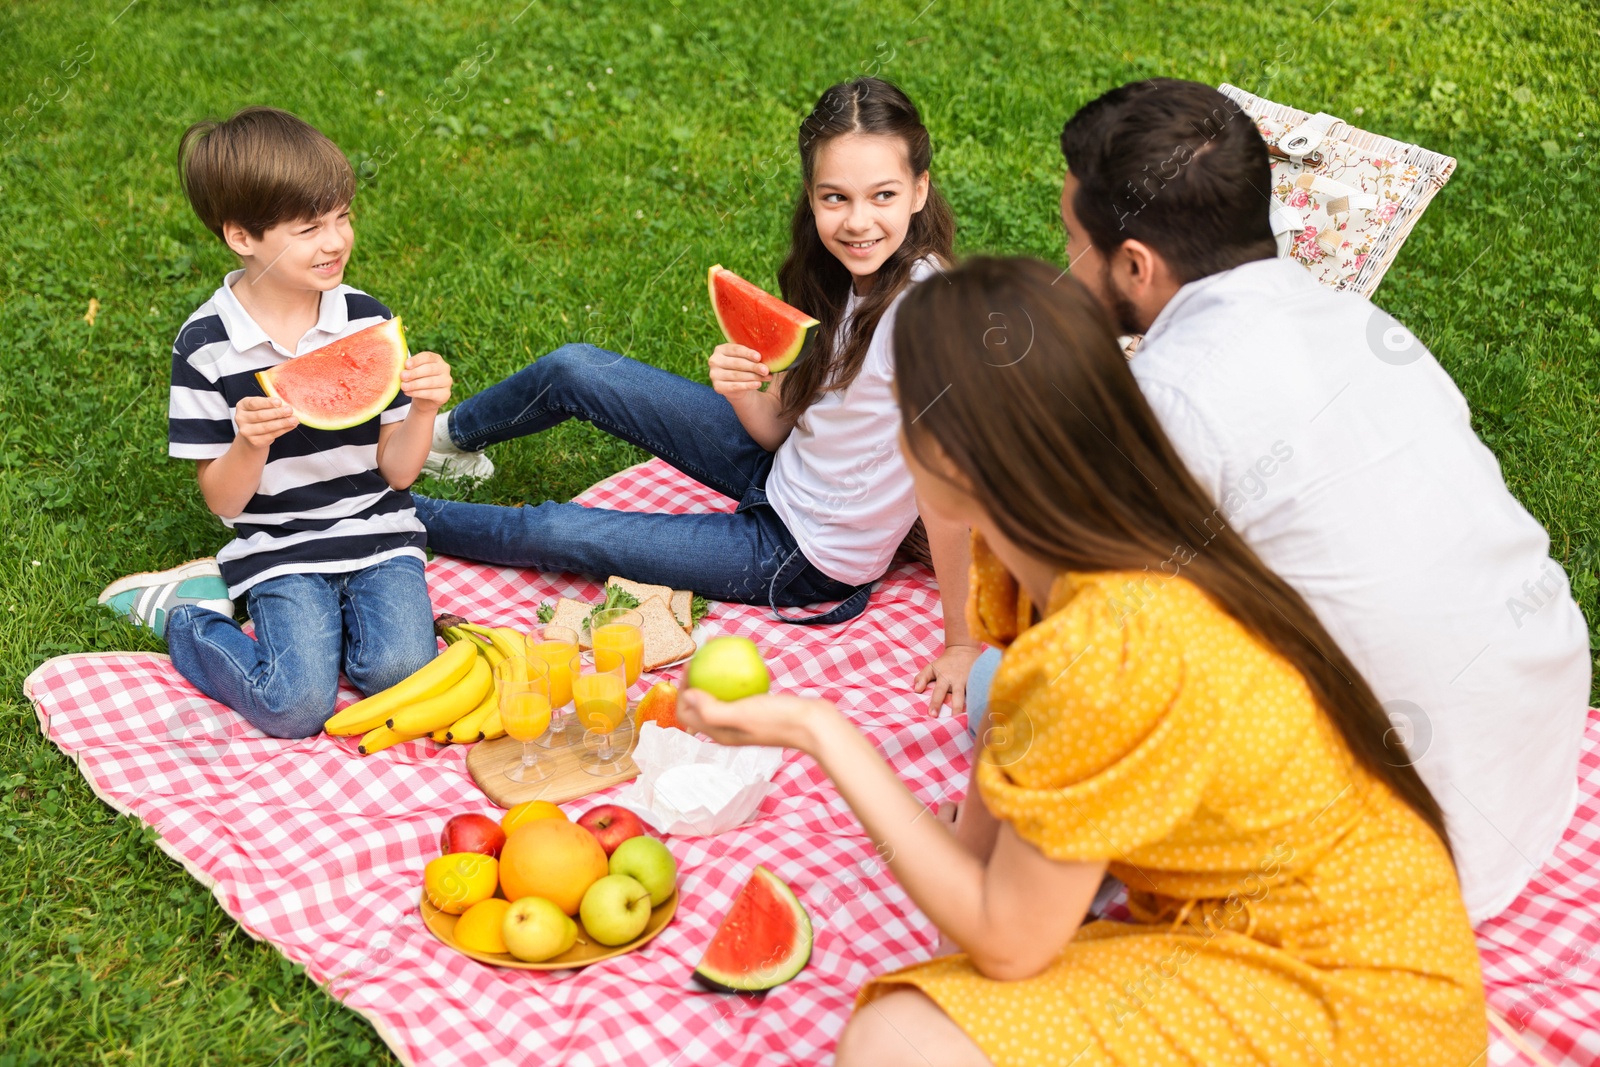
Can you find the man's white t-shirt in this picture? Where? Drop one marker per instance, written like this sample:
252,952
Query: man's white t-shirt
1344,455
838,481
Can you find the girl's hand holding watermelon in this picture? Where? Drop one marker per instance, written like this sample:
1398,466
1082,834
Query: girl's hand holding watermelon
736,369
739,375
426,380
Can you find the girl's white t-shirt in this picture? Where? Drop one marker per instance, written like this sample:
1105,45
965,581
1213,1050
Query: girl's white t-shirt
838,481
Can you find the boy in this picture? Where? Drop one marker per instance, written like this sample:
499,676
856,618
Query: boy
327,549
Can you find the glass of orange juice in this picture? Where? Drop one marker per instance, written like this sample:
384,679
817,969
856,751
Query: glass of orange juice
600,698
557,648
621,630
524,686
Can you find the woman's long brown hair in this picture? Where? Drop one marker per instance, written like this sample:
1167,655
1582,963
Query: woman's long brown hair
1015,372
812,278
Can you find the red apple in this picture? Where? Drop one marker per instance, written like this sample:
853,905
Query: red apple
472,833
611,825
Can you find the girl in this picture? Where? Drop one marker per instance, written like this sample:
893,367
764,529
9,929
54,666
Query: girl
1178,715
813,459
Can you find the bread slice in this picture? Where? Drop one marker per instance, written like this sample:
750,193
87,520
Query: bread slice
640,590
573,614
682,604
664,640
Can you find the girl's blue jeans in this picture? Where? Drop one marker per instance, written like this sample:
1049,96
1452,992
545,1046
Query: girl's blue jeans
376,624
747,555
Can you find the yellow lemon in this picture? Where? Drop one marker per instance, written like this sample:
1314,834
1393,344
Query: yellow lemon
527,811
456,882
479,926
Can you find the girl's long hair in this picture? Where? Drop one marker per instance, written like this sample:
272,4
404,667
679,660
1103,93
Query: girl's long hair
1015,372
813,279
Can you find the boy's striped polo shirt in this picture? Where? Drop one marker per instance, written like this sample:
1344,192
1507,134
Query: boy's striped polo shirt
322,506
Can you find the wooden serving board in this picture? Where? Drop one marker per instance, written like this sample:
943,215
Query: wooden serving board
487,762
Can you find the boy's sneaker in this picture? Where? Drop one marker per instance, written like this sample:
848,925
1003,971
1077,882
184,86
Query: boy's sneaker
146,599
448,461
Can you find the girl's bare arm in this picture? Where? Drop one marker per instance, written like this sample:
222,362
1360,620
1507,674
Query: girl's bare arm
738,374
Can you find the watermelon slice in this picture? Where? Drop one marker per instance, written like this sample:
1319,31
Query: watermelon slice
345,383
764,940
756,319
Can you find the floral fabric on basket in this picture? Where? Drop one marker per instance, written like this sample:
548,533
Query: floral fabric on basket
1345,210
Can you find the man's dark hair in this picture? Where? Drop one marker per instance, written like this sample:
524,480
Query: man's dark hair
261,167
1176,165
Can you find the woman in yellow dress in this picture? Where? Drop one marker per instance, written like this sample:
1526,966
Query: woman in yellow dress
1174,713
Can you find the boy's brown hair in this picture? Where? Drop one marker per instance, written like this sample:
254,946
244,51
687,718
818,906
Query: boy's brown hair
261,167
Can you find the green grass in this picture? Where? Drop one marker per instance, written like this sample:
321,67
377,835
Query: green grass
575,186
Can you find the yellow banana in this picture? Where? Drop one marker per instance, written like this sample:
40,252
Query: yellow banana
511,641
492,726
426,716
438,676
507,641
485,647
469,727
380,738
442,736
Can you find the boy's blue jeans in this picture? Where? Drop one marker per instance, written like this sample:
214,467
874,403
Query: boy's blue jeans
980,680
376,624
747,556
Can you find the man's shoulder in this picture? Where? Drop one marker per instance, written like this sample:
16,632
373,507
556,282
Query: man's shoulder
1274,325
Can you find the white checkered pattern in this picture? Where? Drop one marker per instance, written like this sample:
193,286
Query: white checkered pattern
320,851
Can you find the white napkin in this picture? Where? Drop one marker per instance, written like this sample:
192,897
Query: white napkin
693,788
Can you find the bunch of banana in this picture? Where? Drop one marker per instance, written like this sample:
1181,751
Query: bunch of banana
454,698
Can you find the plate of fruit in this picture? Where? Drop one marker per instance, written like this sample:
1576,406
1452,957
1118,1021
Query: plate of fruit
538,892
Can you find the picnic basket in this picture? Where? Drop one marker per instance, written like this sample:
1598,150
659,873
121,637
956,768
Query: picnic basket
1344,199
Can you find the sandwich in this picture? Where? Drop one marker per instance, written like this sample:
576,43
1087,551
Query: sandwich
574,615
682,605
665,641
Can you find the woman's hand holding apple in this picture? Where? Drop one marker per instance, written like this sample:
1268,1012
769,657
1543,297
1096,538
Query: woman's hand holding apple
769,719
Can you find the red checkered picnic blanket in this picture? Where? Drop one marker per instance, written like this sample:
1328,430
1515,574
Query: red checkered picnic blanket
320,851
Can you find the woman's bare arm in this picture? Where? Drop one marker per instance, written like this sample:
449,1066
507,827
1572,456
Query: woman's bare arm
1012,913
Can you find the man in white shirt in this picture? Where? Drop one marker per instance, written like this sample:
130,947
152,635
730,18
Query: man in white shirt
1344,455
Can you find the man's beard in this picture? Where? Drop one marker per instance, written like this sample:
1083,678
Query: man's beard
1123,313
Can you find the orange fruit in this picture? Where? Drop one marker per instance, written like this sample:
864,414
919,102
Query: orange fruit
459,880
528,811
554,859
479,926
660,706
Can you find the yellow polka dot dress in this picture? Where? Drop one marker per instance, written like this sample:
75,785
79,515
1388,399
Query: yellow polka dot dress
1288,908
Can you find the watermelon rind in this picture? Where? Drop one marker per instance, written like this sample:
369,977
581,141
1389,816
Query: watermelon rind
355,417
804,324
776,969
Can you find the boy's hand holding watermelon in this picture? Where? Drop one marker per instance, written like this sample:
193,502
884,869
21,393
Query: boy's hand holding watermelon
426,380
263,419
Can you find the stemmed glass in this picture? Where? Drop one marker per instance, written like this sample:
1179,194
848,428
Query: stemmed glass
525,712
620,630
557,648
600,697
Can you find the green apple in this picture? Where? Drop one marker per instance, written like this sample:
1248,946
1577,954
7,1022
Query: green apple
648,862
535,930
615,910
729,668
